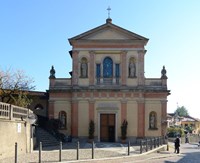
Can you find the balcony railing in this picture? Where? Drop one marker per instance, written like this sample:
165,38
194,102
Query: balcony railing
107,81
12,112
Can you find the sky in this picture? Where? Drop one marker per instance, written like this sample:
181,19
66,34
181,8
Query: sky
34,36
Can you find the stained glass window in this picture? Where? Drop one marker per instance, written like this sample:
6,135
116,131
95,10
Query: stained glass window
107,68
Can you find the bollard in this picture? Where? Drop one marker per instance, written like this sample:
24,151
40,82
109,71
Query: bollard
146,145
77,150
167,145
60,150
128,148
151,147
141,147
93,150
15,152
40,150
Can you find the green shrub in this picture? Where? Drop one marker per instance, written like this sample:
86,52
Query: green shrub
175,131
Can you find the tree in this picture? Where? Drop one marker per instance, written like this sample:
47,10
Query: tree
14,87
181,111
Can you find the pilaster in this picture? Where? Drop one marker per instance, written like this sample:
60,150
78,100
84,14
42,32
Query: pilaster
123,110
123,67
76,68
163,117
91,110
74,118
141,54
92,68
51,110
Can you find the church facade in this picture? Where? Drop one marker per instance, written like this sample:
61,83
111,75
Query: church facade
108,86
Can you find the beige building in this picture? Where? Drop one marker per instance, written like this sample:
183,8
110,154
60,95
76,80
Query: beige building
108,86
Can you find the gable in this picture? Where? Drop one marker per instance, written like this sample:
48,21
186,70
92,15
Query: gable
107,34
108,31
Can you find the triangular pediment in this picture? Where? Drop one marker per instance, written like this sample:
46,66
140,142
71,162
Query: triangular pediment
108,34
108,31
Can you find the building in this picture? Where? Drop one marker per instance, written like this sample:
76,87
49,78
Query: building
108,86
185,122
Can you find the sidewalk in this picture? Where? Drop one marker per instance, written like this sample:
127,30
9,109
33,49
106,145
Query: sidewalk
103,153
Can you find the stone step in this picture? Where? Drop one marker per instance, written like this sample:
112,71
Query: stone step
46,138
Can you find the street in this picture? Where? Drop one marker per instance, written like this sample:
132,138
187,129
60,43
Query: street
189,153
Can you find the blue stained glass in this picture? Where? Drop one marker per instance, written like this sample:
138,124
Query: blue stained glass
117,71
107,68
98,70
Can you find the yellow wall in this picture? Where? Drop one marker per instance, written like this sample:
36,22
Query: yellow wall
83,118
132,118
153,105
63,106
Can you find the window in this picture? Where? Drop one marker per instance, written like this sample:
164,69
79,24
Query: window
107,68
153,120
98,72
63,119
84,68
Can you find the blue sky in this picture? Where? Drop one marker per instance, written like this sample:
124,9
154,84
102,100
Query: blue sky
34,35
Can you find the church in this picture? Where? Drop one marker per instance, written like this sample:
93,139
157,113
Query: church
108,86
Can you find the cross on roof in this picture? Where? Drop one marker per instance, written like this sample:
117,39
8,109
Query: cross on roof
108,11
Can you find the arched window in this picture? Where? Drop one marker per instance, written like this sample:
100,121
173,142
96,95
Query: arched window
84,68
107,68
152,120
63,119
132,67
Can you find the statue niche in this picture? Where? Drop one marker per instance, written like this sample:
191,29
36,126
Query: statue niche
132,68
84,68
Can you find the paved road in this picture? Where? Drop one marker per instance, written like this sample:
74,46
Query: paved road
190,153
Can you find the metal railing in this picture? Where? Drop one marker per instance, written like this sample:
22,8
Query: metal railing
12,112
151,143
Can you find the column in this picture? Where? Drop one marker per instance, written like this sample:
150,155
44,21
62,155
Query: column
74,118
141,119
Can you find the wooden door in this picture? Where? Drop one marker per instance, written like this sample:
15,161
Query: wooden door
107,127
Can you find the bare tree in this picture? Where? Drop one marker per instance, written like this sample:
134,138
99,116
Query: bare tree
14,87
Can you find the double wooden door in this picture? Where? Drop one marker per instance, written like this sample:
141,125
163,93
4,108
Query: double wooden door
107,127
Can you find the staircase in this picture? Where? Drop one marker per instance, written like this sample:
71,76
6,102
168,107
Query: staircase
46,138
